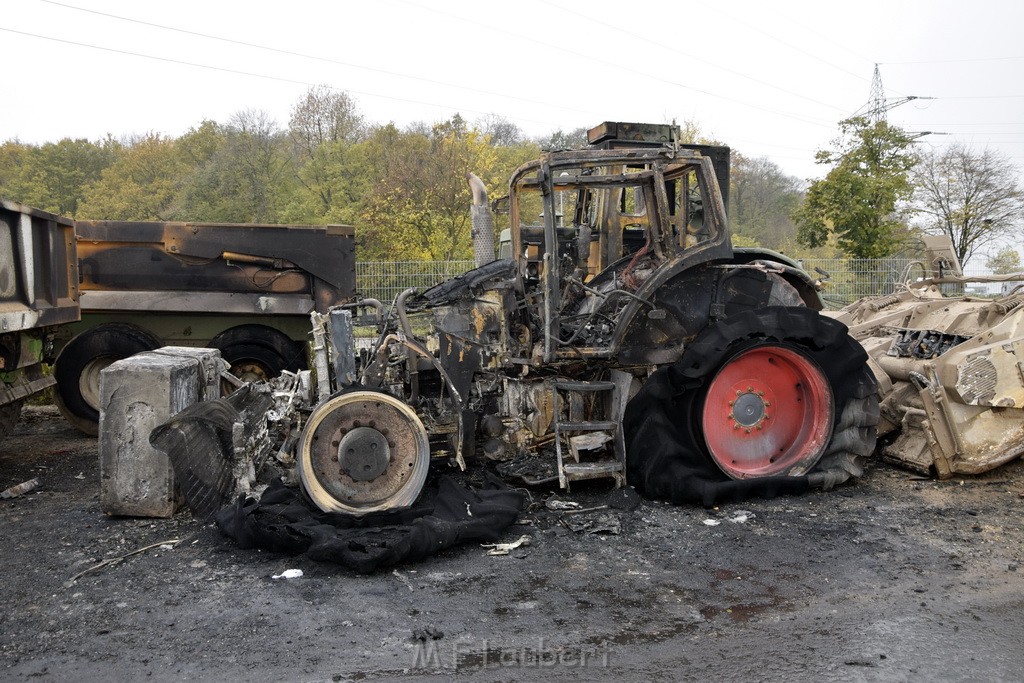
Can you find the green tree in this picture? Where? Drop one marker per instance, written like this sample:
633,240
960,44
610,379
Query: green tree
1005,261
971,197
761,202
140,185
256,147
323,128
418,205
236,173
54,176
857,200
202,194
14,159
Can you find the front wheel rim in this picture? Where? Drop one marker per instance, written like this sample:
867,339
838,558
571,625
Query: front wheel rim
768,411
363,421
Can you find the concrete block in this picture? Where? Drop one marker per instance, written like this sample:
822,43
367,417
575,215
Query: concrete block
136,395
210,367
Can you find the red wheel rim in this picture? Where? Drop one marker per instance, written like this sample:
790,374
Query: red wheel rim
768,411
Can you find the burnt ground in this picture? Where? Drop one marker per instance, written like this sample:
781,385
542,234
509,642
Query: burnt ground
892,578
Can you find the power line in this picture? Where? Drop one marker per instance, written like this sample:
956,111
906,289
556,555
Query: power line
977,123
780,40
696,58
957,61
303,55
985,132
770,144
831,39
878,104
979,97
239,72
615,65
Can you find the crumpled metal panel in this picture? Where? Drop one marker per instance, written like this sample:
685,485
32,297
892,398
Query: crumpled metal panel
956,371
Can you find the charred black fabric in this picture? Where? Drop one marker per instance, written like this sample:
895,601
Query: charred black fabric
666,456
283,521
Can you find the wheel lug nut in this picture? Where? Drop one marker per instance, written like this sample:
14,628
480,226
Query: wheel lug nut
732,403
747,430
760,393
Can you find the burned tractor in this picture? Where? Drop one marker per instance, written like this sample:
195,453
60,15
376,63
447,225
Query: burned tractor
623,298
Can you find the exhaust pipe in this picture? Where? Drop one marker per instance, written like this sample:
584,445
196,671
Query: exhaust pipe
483,222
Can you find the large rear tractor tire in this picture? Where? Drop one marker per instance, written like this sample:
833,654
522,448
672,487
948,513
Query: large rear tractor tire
767,402
77,369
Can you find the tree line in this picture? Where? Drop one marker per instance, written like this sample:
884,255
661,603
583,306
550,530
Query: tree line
881,192
405,191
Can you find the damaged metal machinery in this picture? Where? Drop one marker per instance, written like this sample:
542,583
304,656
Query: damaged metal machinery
950,368
621,259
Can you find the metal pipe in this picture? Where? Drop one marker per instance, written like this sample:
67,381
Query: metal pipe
320,364
276,263
483,222
901,368
418,349
403,319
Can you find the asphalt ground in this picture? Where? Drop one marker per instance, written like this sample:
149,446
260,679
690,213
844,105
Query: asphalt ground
890,578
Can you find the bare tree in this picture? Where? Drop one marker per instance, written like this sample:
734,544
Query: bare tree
323,125
324,115
573,139
501,131
971,197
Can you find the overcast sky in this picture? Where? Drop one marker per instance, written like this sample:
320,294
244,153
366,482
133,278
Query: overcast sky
767,78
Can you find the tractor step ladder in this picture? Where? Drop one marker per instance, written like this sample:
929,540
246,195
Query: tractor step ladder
596,448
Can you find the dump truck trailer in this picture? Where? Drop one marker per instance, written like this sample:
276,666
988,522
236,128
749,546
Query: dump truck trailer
38,293
244,289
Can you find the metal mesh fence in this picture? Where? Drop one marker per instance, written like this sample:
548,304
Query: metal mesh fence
852,279
384,280
849,279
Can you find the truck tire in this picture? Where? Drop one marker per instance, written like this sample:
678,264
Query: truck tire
257,352
766,402
77,369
